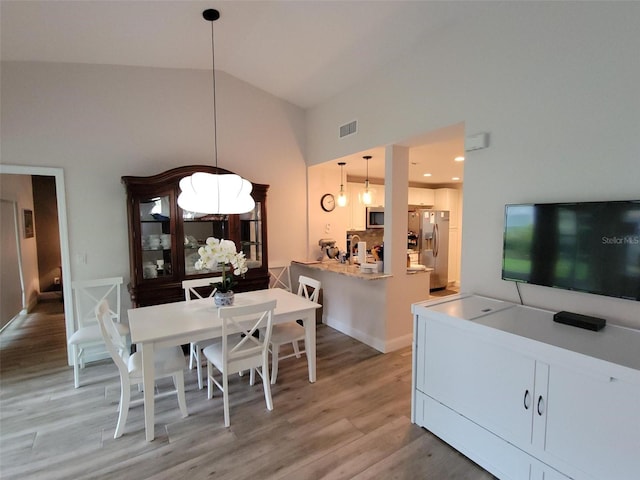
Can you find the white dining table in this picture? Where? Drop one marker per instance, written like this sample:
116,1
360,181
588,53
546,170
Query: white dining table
179,323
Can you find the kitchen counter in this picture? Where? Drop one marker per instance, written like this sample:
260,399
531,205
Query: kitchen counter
354,270
343,269
418,269
376,313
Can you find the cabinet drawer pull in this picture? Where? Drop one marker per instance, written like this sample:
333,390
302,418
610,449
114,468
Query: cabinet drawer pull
526,400
540,405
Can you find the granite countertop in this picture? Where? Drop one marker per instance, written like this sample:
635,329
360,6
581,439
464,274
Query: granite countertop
351,270
342,269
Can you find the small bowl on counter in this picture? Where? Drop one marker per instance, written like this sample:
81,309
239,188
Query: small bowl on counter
369,268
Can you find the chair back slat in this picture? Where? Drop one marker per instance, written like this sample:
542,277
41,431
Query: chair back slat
88,294
190,287
116,345
309,288
280,277
246,320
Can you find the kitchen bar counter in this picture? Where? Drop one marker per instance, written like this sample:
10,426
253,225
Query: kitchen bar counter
377,313
354,270
342,269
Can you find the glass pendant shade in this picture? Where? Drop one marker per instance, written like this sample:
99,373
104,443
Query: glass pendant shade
223,194
216,194
342,199
366,195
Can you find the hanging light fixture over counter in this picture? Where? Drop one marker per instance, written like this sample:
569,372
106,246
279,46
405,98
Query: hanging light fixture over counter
342,197
215,193
366,195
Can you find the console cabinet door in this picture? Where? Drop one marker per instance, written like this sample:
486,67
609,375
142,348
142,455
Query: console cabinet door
593,424
489,384
540,471
539,405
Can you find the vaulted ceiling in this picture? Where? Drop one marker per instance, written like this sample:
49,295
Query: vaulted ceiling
302,51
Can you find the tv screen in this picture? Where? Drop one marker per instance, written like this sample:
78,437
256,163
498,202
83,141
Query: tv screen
590,247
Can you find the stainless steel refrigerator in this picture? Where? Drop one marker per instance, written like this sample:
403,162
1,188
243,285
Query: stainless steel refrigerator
433,243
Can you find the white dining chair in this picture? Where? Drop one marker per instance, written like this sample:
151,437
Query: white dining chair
292,332
241,350
192,291
86,342
280,277
168,362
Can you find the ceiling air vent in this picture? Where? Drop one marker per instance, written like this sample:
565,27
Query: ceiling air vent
350,128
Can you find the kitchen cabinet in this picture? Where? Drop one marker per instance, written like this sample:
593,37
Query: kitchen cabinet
448,199
357,210
164,239
424,197
526,397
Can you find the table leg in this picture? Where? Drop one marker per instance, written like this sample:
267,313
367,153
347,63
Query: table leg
148,376
310,343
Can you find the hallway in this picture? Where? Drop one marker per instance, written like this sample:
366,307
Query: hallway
42,331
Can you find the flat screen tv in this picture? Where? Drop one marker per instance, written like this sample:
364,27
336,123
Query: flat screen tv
591,247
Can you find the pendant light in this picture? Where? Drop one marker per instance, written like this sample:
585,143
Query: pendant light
342,197
366,195
217,193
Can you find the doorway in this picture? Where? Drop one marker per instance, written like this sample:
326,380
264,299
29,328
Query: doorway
12,299
63,232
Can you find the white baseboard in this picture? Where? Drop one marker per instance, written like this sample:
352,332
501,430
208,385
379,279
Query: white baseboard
33,302
383,346
11,321
399,342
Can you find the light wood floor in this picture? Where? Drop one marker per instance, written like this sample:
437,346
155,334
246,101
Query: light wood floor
352,423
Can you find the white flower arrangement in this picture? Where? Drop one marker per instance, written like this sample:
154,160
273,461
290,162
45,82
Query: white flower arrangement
217,254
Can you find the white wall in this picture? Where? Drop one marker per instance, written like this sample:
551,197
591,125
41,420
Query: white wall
326,224
556,86
102,122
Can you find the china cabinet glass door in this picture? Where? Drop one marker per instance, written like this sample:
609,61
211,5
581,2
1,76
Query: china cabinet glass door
251,236
197,228
156,237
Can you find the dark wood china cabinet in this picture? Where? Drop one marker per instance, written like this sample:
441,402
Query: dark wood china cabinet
164,239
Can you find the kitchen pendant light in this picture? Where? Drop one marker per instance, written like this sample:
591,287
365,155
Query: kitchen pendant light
217,193
366,195
342,197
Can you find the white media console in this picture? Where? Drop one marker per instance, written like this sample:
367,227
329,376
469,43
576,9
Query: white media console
526,397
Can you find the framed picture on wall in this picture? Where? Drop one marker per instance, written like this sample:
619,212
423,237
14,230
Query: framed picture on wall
28,223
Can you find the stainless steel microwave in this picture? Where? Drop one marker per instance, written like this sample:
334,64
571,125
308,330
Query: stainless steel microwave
375,217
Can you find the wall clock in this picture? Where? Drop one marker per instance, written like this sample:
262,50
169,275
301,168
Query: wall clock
327,202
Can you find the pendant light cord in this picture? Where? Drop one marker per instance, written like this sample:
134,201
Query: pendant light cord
367,172
366,181
215,117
